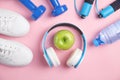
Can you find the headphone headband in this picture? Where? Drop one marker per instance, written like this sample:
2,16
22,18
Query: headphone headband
67,25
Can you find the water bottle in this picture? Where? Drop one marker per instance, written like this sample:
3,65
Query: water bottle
108,35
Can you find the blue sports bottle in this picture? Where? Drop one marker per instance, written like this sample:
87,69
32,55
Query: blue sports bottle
108,35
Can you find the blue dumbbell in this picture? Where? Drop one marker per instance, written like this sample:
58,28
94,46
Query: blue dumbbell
36,11
58,9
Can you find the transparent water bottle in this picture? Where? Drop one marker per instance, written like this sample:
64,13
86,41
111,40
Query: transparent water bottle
108,35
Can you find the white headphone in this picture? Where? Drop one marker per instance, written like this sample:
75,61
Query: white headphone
77,56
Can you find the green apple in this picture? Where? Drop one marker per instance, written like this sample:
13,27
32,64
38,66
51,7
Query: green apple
64,39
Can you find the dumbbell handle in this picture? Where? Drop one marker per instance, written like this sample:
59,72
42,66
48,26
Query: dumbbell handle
28,4
55,3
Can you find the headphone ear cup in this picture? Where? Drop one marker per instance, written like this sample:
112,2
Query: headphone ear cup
74,58
53,57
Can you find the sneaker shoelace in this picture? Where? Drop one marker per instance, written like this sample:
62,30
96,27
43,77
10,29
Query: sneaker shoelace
6,51
6,23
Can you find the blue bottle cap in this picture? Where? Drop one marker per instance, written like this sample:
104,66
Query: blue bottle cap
59,10
96,42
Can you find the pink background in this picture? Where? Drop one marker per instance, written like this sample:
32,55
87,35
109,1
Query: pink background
100,63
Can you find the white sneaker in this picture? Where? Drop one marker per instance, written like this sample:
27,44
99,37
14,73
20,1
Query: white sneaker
14,54
13,24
